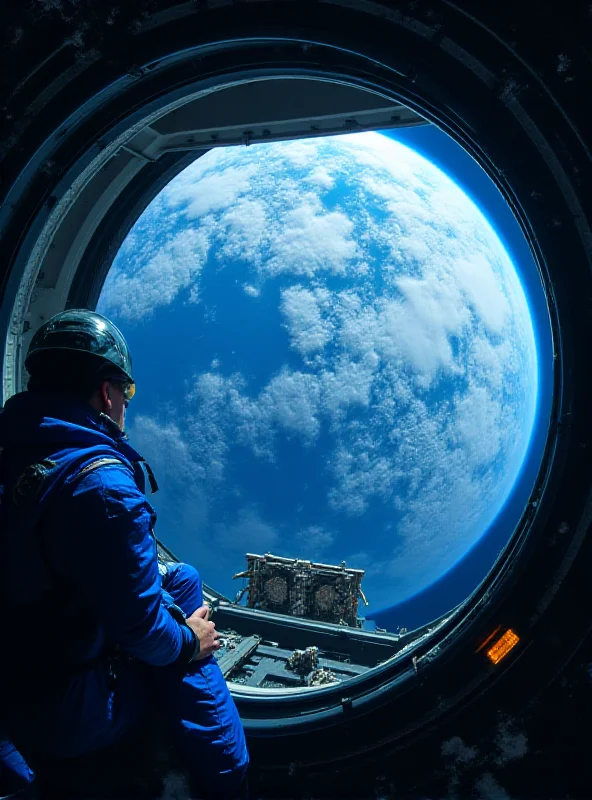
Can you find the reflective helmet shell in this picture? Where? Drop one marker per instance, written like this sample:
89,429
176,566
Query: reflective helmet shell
82,331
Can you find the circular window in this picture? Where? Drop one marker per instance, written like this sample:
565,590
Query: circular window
343,367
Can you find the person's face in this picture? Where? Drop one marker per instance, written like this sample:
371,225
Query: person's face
114,395
118,404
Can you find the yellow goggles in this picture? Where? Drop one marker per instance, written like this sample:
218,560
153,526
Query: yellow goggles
128,388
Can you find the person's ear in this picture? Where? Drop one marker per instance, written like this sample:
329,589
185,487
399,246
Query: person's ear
105,396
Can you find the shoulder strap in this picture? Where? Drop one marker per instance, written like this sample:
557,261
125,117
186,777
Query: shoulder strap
100,462
142,469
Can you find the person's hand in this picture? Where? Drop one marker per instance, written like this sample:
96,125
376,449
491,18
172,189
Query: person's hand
209,638
205,612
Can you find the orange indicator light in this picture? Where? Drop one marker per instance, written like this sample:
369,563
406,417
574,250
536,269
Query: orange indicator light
503,646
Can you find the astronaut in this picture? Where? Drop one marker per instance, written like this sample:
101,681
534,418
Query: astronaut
97,635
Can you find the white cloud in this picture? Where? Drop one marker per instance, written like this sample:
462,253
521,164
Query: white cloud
202,195
291,401
362,472
243,230
475,277
300,153
156,281
310,240
207,427
488,362
251,290
416,333
348,383
477,428
412,248
413,332
402,191
320,177
223,414
308,325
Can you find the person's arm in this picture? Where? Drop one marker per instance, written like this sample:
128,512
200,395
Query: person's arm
111,555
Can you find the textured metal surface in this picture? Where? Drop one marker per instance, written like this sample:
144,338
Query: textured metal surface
303,588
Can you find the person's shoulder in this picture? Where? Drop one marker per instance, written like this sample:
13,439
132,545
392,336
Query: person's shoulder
101,470
109,489
105,476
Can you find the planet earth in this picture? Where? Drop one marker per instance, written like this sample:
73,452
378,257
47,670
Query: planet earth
335,361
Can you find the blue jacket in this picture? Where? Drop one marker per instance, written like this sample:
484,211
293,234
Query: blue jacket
78,568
